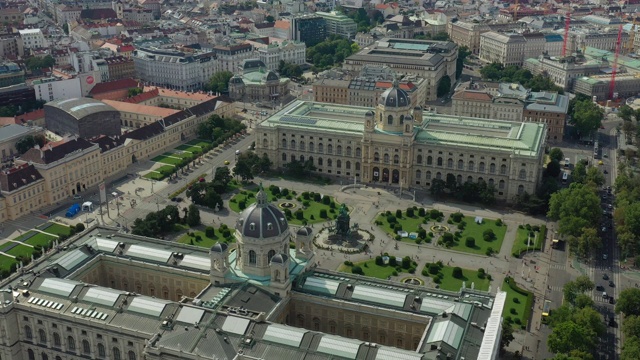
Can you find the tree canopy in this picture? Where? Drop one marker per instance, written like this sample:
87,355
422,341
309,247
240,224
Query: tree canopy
218,129
36,62
586,116
248,164
24,144
463,53
330,52
289,70
516,74
629,302
157,223
575,208
556,154
444,86
219,82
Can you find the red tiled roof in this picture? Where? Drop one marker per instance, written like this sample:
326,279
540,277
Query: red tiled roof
473,95
142,97
113,85
404,85
33,115
126,48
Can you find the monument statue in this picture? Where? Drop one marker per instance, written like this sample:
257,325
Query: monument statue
342,227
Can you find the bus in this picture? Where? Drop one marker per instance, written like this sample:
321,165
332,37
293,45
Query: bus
546,309
565,177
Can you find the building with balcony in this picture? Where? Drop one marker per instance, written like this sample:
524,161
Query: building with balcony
174,69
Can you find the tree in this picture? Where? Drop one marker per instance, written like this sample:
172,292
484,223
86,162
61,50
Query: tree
79,227
219,82
444,86
270,19
586,117
631,326
437,187
463,53
575,208
584,283
457,273
583,301
331,51
441,36
35,62
23,145
553,169
629,302
626,113
300,169
65,28
134,91
579,173
507,334
556,154
631,349
587,242
569,336
595,176
193,216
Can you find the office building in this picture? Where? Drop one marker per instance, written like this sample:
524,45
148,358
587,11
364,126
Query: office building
174,69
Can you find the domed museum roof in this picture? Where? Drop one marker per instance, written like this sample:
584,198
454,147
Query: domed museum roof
262,220
219,247
279,258
395,97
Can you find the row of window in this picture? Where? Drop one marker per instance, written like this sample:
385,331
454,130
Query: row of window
71,345
320,162
302,147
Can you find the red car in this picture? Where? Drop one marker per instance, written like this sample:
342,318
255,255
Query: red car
201,180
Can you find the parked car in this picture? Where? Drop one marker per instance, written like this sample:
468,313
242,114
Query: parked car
605,277
611,284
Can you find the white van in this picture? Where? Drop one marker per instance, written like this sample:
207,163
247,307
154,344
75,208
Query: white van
567,162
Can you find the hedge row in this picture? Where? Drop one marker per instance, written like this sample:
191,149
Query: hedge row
529,305
179,191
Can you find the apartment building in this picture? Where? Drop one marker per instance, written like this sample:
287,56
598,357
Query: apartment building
506,49
230,57
11,46
292,52
10,74
430,60
174,69
57,88
338,24
66,14
23,191
33,38
594,37
120,67
365,91
468,33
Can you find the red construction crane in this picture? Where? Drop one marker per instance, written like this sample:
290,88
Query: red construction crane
567,22
614,70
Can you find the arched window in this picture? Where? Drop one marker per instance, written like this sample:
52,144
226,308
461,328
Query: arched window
116,353
284,143
311,160
481,167
401,119
376,156
101,351
265,143
418,174
386,158
301,158
332,327
301,145
311,147
252,257
300,319
501,185
71,343
58,358
429,160
338,164
450,163
439,175
86,347
492,168
293,144
471,166
460,164
56,340
31,355
396,159
490,183
503,169
320,148
348,150
520,189
270,254
428,175
357,166
42,336
329,149
293,158
469,179
284,157
132,355
319,161
329,162
358,152
347,165
459,179
390,119
316,324
338,150
523,174
439,161
27,332
419,159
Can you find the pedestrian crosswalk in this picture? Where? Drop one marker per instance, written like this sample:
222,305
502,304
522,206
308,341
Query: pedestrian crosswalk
559,266
555,288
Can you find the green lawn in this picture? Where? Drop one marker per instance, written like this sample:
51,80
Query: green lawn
23,250
165,159
189,148
6,262
198,142
448,282
157,173
371,269
205,241
522,306
183,155
409,224
520,244
40,239
475,230
57,229
313,210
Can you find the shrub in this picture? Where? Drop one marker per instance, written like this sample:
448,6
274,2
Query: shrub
412,270
391,219
198,238
311,217
379,260
299,214
425,272
397,227
488,235
457,273
499,222
394,273
80,227
516,300
332,205
461,226
457,216
513,311
210,232
470,242
437,280
447,237
305,195
348,263
284,192
434,269
317,197
410,212
399,214
517,321
398,238
357,270
528,227
489,277
323,213
450,222
422,234
520,226
406,262
242,205
326,200
535,228
226,233
287,213
435,214
422,212
418,241
306,204
392,261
